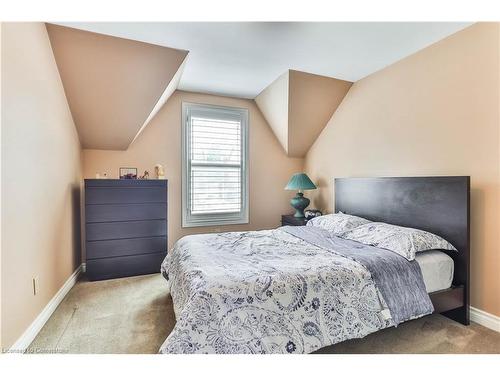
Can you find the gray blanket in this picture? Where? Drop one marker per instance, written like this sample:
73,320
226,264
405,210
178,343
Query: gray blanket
399,280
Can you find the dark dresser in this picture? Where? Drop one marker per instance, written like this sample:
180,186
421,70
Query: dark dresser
126,227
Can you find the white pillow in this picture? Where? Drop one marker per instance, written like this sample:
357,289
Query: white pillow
337,223
401,240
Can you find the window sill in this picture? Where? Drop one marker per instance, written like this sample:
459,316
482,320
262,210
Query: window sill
213,223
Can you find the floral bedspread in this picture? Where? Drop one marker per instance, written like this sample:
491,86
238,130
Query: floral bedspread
266,292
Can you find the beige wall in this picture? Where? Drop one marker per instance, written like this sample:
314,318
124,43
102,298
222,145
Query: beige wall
40,178
433,113
160,142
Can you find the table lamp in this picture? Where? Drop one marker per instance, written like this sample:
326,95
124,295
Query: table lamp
300,182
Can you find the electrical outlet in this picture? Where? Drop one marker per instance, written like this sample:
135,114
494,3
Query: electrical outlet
35,286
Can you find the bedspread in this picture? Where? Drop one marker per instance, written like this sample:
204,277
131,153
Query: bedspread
399,280
267,292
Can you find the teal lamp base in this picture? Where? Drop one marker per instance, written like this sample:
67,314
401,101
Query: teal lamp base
299,202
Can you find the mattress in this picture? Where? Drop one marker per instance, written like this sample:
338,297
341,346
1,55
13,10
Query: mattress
437,270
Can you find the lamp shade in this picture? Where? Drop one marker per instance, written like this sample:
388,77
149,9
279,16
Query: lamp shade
300,181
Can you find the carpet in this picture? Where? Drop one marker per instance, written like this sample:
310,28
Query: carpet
135,315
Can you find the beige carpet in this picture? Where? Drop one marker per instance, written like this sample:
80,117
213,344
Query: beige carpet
134,315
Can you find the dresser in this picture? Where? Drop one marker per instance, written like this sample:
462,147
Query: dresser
125,227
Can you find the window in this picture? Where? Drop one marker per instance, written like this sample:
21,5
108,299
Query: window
214,165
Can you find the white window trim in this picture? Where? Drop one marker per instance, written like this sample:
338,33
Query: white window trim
213,219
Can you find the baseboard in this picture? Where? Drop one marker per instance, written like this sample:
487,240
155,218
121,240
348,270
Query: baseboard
29,335
485,319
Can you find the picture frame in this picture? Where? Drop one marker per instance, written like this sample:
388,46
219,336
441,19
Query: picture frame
128,173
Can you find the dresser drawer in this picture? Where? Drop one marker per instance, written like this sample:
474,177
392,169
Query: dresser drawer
124,183
131,246
116,195
96,213
125,229
107,268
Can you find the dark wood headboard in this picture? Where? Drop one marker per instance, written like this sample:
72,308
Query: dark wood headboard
438,205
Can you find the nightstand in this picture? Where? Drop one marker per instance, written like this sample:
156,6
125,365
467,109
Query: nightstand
292,220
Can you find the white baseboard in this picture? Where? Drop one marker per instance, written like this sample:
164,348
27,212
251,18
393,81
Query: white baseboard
485,319
29,335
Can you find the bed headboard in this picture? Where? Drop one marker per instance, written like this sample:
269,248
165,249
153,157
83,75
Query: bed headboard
436,204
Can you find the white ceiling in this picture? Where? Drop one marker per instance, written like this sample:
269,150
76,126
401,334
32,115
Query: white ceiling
241,59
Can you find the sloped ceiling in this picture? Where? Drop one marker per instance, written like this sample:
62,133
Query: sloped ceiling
312,101
298,105
114,86
240,59
273,103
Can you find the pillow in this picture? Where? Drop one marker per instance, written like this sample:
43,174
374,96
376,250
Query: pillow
337,223
401,240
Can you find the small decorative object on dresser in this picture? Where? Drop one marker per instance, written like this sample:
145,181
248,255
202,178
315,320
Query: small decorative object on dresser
300,182
126,227
128,173
292,220
160,172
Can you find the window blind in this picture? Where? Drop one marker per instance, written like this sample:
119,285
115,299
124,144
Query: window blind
214,169
215,166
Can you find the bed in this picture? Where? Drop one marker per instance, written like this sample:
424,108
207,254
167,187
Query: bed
298,289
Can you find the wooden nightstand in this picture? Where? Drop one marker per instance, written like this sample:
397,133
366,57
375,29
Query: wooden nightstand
292,220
